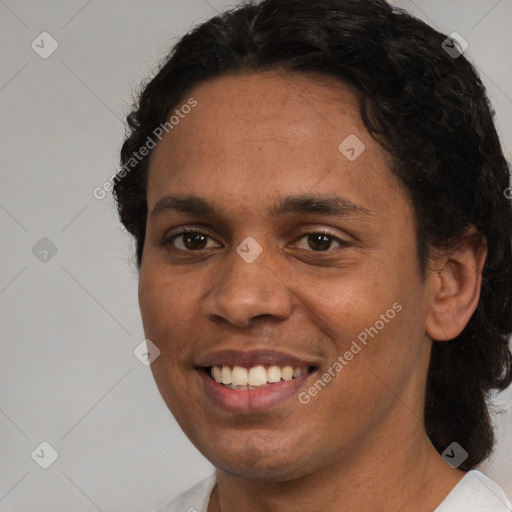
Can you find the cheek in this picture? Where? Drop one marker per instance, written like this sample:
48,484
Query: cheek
345,304
154,303
373,318
165,305
381,341
164,316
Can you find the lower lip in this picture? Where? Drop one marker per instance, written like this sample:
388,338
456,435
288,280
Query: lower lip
251,400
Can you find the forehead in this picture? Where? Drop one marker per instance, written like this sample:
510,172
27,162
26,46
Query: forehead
266,130
271,105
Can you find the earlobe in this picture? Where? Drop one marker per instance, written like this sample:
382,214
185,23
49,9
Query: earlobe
454,280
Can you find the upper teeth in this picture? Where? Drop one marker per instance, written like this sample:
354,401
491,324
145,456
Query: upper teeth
240,377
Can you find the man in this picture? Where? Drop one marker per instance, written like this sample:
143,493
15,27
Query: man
323,239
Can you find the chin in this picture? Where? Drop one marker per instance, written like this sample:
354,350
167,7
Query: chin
251,462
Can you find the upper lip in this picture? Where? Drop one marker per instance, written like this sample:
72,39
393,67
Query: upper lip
254,357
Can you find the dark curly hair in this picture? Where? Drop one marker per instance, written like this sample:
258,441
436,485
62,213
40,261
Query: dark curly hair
428,109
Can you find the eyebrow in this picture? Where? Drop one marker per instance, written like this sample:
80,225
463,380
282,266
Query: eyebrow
183,204
324,205
330,205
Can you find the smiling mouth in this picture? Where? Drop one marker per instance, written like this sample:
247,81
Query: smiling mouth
256,377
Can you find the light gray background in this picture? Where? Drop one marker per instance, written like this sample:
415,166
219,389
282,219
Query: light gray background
68,375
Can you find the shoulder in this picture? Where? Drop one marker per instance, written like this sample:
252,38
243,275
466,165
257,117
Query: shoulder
475,492
194,499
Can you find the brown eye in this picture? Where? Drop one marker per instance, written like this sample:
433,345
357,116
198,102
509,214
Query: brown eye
194,241
190,241
319,241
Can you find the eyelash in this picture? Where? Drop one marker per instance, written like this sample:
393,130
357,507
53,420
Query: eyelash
168,241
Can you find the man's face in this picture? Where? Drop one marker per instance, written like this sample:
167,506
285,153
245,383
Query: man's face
257,166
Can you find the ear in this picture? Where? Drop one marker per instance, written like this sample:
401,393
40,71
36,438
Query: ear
454,280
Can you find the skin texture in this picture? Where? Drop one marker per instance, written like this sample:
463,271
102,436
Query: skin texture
252,140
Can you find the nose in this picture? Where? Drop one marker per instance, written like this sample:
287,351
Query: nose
248,291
